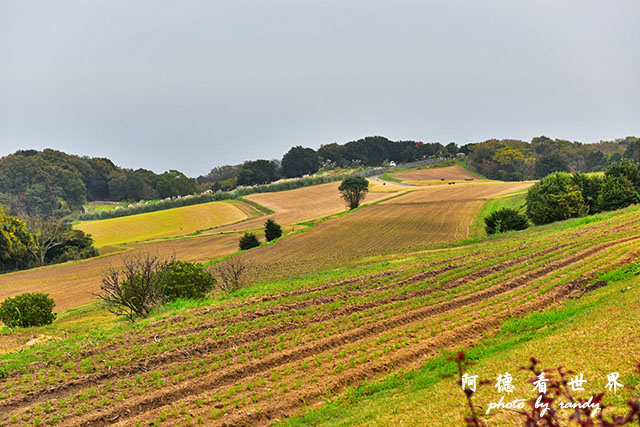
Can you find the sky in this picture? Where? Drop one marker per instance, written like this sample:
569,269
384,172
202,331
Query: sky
191,84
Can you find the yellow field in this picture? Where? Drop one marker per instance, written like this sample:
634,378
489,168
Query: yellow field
167,223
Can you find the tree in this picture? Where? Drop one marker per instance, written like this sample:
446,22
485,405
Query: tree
258,172
248,241
551,163
633,149
354,189
555,198
299,161
136,289
229,274
272,230
596,161
48,233
505,219
17,246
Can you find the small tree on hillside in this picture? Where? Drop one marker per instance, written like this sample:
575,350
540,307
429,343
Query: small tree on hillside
248,241
48,234
354,189
272,230
136,289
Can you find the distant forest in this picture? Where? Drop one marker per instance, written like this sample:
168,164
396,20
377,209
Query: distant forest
53,183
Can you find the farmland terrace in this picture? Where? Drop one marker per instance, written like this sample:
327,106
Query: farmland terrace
261,356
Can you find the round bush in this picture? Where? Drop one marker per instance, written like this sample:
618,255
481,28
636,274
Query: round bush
185,280
248,241
29,309
505,219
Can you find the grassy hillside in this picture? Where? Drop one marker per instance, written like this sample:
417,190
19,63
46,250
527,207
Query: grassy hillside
272,350
593,335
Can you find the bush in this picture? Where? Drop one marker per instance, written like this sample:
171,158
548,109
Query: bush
272,230
617,192
505,219
29,309
185,280
555,198
248,241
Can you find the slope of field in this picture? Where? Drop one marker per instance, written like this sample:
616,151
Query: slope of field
257,358
460,192
166,223
593,335
419,219
456,172
301,204
71,284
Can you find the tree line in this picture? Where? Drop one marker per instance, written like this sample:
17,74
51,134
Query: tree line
53,183
514,160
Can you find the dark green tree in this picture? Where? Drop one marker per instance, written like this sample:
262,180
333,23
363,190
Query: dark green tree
272,230
299,161
354,189
551,163
248,241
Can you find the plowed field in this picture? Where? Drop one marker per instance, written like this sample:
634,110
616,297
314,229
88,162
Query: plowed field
456,172
301,204
252,360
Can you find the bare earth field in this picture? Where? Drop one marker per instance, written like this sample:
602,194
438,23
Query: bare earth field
456,172
299,205
252,360
71,284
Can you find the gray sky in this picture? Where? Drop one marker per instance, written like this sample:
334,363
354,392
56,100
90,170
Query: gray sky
194,84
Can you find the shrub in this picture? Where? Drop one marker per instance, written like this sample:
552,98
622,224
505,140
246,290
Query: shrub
29,309
505,219
248,241
272,230
228,274
185,280
617,192
555,198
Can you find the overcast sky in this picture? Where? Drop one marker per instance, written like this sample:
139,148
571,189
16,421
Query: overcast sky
191,84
